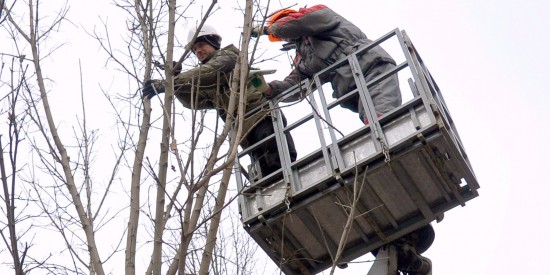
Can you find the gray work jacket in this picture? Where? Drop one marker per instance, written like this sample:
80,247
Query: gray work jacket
323,37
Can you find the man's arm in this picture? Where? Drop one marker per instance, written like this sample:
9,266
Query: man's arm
279,86
222,62
276,87
306,22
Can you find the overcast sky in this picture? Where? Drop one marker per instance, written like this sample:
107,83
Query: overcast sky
490,59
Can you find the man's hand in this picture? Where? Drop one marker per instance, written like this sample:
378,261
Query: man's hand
152,88
258,30
175,65
268,93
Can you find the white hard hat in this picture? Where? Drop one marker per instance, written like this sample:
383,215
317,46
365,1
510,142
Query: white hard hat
207,33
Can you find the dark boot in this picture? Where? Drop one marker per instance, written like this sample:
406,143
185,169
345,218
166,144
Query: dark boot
421,266
412,263
409,260
409,249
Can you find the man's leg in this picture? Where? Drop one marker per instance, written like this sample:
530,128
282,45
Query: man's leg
268,154
264,154
385,95
290,141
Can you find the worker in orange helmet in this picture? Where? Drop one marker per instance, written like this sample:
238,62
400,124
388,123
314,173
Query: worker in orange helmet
323,37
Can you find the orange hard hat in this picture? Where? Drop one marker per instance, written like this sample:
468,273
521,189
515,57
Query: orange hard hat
274,17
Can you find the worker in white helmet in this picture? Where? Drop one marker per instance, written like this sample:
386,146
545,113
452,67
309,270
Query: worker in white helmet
207,86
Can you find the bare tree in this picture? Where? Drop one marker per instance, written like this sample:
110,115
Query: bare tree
70,208
12,238
191,174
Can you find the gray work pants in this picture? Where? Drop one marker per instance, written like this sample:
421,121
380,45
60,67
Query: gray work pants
385,95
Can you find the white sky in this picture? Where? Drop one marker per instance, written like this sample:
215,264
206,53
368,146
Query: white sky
490,60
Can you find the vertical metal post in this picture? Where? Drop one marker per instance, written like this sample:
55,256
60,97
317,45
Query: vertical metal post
412,61
318,124
367,102
336,156
385,262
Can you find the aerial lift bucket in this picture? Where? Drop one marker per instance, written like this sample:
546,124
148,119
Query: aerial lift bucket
399,173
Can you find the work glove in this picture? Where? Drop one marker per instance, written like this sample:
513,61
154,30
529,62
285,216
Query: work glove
152,88
175,65
268,93
258,30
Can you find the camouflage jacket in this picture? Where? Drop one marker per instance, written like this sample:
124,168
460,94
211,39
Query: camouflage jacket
207,86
